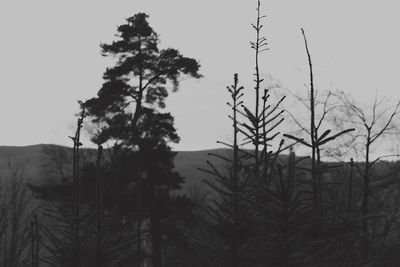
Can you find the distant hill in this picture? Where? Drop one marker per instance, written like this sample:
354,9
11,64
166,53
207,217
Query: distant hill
32,158
187,163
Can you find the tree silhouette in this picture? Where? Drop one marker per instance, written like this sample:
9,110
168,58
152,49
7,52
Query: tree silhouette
127,111
373,125
142,75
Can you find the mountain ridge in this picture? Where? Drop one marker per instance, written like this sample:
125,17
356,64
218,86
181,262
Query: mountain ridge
32,158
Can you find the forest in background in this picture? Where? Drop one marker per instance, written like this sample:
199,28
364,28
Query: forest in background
258,205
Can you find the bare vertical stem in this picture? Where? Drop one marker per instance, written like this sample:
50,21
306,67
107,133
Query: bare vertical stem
350,186
265,143
99,204
139,220
256,47
365,202
235,171
76,182
312,126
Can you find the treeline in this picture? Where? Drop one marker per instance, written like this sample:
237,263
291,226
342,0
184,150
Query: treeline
119,206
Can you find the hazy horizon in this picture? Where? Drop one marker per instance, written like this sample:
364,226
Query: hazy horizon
51,58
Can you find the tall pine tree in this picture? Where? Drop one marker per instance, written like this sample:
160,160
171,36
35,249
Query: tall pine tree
127,110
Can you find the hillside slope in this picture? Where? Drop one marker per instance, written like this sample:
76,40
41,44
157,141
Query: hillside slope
32,159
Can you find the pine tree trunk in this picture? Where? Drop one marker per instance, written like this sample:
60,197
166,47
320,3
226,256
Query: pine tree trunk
139,223
155,224
156,238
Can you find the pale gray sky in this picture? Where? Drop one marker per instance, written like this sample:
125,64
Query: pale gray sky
50,57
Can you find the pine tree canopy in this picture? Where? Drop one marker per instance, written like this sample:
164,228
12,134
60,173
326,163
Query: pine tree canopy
141,77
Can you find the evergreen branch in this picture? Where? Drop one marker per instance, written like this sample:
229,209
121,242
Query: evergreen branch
299,140
335,136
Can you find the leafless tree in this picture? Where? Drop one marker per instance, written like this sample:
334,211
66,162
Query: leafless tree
374,125
317,138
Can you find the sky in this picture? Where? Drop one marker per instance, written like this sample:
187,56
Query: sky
50,57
